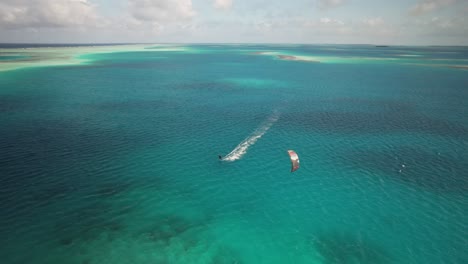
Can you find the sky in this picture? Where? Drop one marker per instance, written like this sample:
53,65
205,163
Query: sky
391,22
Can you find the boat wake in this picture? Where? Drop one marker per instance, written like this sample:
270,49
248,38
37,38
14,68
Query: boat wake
242,148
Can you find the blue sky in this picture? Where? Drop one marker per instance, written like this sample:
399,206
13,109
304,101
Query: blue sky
396,22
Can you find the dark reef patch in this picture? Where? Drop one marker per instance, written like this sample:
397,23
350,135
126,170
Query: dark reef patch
87,223
9,104
354,115
429,170
111,189
166,227
204,86
169,228
347,248
44,159
374,123
226,255
51,193
132,105
379,105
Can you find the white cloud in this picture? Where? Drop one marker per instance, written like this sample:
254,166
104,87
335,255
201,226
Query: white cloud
441,23
329,21
152,18
373,22
262,21
428,6
48,14
337,30
161,10
327,4
438,30
223,4
325,26
377,28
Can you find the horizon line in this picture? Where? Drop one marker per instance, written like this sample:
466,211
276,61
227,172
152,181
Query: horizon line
220,43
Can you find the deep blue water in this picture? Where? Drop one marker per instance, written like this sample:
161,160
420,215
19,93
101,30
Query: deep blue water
116,161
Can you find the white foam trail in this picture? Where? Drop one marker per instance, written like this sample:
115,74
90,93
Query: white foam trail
241,149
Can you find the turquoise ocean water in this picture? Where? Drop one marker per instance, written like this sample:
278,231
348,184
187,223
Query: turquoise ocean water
116,161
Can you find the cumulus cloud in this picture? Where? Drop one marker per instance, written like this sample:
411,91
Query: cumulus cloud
440,30
327,4
156,17
323,23
442,23
160,11
48,14
428,6
223,4
373,21
329,21
327,26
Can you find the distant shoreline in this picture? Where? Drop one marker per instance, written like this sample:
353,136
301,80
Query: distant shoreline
52,45
55,45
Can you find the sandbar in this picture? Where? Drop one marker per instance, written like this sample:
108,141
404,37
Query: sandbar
61,56
296,58
464,67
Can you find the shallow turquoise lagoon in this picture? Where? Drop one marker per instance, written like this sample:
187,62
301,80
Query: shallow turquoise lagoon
116,161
